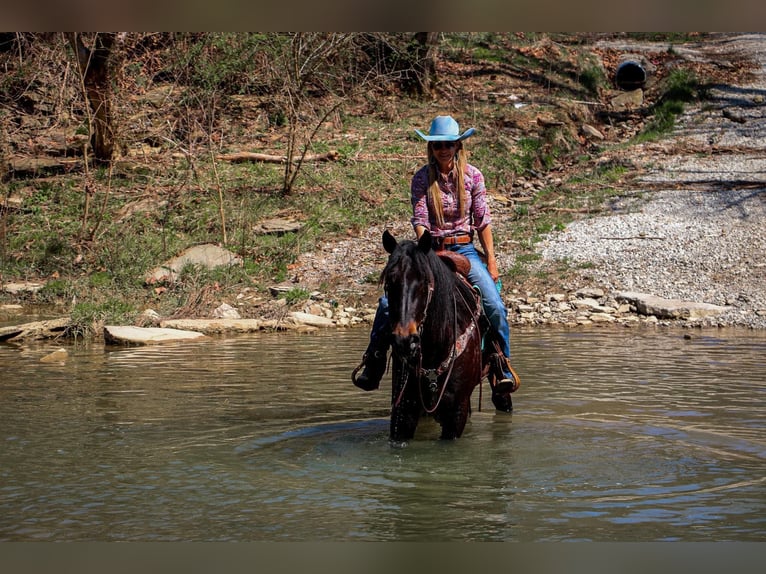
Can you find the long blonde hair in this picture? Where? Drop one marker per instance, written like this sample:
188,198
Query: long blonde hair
434,193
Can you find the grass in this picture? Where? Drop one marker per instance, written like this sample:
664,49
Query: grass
679,88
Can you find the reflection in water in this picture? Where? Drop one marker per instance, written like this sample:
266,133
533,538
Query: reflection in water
617,435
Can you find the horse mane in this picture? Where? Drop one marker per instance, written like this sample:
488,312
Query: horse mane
447,283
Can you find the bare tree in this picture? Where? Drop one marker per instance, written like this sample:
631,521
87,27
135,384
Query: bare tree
305,63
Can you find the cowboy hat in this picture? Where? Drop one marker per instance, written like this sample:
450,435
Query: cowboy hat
445,128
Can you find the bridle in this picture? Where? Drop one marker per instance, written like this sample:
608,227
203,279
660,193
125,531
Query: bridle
456,349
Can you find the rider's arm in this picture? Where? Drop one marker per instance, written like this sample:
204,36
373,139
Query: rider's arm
488,245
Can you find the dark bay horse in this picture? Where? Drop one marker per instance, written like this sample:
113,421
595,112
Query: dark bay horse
435,338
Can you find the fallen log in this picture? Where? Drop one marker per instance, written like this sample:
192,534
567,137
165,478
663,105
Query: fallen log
243,156
36,330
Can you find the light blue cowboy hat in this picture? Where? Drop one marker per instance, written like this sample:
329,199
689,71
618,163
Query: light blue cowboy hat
445,129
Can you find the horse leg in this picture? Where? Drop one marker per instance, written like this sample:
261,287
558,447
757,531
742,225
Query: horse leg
454,424
405,407
404,421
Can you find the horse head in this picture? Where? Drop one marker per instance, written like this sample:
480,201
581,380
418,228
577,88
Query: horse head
409,284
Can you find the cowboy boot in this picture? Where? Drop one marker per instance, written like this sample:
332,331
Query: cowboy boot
374,363
502,403
507,379
503,381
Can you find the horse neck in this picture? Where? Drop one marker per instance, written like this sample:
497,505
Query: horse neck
444,320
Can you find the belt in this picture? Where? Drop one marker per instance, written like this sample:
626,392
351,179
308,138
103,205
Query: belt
453,240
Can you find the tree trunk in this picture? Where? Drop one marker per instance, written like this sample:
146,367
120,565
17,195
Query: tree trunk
94,70
426,52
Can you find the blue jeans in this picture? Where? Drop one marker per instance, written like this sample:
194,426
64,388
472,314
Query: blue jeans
492,302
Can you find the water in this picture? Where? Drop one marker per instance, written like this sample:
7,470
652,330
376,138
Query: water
629,435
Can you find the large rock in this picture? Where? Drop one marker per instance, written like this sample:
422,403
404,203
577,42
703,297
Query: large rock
669,308
216,326
631,100
310,319
35,330
129,335
207,255
25,287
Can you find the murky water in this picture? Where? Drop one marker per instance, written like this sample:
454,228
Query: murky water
627,435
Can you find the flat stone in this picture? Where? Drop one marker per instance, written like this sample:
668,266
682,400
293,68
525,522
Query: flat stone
277,226
590,293
147,335
25,287
586,303
309,319
669,308
215,326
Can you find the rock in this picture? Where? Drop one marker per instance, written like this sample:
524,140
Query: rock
216,326
277,227
590,292
309,319
25,287
226,311
591,132
58,356
628,100
585,303
669,308
35,330
208,255
147,335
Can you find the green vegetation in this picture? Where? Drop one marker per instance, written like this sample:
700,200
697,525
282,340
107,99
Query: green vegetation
680,87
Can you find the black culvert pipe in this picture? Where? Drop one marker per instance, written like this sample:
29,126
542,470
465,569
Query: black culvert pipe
630,75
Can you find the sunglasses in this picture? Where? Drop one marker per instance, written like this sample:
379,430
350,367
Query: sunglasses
440,145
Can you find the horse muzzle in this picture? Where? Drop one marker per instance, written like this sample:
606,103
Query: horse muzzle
406,341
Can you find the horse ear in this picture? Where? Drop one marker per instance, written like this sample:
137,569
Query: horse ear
424,243
389,241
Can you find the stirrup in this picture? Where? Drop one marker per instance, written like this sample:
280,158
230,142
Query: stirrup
504,386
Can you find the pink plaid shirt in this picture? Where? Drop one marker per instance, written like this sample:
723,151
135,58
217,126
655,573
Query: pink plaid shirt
477,211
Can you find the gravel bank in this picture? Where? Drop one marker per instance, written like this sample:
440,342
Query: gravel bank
694,228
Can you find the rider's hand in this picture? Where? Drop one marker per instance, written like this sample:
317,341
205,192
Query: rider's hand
492,268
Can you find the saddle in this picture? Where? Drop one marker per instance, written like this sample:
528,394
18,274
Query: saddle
455,261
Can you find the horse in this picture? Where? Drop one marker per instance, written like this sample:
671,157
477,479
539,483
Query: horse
435,333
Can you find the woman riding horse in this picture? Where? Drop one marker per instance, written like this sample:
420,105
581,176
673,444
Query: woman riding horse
449,200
